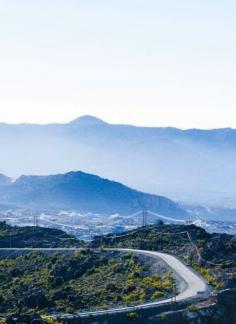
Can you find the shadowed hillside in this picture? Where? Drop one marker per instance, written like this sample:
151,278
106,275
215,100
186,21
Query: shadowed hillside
82,192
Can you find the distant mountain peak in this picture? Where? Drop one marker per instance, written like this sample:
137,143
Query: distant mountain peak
87,120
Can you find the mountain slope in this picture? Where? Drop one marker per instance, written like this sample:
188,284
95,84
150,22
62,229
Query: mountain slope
188,165
83,192
4,180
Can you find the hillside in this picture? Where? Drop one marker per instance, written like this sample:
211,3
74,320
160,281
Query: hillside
217,265
186,165
39,282
218,251
78,281
82,192
35,237
52,283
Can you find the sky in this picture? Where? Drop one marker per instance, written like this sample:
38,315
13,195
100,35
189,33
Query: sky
142,62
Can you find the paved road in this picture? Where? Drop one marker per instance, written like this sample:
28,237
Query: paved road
195,285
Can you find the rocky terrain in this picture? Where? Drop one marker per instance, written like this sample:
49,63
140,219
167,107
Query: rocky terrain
83,275
214,252
33,236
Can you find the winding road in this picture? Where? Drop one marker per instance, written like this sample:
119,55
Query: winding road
194,285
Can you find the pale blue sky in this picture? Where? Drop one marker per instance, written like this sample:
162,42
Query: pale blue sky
146,62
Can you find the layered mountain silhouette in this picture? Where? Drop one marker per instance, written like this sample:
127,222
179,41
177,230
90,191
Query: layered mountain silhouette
82,192
187,165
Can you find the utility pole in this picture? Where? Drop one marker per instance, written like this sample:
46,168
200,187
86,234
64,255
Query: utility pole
144,217
35,220
10,239
173,298
174,295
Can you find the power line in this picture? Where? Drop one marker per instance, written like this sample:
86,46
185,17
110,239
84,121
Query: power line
177,233
144,214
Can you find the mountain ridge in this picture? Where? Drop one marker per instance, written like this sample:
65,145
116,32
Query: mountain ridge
92,120
83,192
191,166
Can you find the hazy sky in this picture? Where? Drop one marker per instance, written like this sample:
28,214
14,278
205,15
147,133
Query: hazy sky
147,62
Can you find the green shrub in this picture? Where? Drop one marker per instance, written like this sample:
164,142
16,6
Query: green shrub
192,309
132,316
69,309
157,294
219,286
49,320
163,317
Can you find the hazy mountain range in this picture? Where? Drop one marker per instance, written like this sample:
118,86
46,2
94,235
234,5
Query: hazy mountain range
186,165
82,192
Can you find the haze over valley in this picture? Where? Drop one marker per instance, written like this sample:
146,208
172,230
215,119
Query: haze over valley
190,166
180,174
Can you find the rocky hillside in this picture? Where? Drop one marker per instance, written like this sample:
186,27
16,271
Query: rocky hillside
35,237
217,263
218,251
77,282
